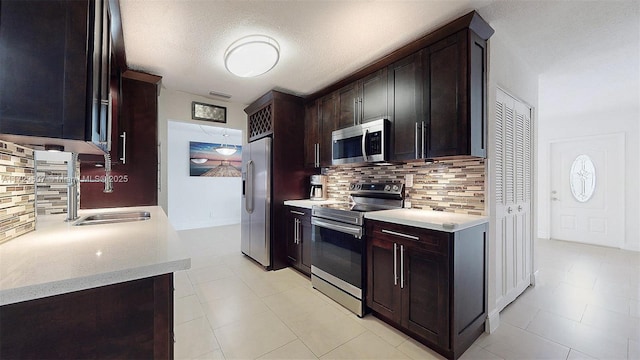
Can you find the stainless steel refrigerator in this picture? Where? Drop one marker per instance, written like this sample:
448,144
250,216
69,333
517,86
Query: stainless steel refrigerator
256,201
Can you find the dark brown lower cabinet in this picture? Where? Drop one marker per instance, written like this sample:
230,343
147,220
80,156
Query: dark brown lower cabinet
298,236
429,284
131,320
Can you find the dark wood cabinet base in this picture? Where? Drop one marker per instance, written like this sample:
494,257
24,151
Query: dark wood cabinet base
132,320
429,284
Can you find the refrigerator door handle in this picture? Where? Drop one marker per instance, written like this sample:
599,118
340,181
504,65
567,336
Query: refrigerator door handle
248,200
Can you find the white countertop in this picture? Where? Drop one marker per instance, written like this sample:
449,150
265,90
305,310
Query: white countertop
428,219
308,203
58,257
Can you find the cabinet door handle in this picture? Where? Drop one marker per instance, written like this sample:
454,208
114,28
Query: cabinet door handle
395,264
297,213
361,111
355,111
401,266
424,135
124,147
316,148
417,142
400,234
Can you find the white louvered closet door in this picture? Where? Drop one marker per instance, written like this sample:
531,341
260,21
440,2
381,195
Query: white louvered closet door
513,182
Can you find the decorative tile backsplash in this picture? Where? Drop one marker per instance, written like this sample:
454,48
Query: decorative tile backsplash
451,185
51,187
17,191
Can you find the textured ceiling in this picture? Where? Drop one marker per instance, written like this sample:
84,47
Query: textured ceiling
323,41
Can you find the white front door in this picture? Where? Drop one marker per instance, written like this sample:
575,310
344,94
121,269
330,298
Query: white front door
587,190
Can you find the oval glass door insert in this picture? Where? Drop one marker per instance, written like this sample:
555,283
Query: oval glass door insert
582,178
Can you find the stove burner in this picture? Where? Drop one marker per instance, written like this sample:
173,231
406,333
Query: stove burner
354,207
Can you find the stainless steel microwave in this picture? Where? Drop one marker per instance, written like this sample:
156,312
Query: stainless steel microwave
364,143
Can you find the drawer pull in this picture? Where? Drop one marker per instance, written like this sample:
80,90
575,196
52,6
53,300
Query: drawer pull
401,235
297,212
401,266
395,264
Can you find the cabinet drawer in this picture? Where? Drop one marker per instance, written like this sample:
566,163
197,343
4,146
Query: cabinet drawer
423,239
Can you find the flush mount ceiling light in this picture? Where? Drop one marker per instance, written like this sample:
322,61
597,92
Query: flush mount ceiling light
252,55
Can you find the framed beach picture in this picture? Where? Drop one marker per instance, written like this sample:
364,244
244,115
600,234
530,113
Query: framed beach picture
208,112
214,160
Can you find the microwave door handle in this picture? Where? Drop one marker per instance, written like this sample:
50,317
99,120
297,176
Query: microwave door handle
364,145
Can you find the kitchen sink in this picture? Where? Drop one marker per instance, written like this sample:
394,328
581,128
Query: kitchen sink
113,217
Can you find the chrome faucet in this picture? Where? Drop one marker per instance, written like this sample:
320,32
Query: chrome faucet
72,189
72,184
108,180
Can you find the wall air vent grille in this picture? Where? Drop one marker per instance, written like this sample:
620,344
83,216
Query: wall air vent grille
261,123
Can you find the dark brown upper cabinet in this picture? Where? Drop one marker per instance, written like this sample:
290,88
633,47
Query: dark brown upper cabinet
312,137
454,122
363,100
135,158
54,78
433,90
405,89
328,112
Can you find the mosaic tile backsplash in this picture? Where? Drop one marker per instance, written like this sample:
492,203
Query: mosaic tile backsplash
17,191
51,187
451,185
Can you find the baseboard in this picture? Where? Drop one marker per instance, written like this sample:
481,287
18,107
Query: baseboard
534,278
493,321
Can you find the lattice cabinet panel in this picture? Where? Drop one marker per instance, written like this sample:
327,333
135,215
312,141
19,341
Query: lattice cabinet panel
261,123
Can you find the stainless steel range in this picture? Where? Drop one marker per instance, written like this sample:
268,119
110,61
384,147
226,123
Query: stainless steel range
337,256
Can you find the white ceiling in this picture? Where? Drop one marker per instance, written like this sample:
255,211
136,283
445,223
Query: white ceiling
324,41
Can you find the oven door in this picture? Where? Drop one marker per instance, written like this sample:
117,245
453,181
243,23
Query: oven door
336,255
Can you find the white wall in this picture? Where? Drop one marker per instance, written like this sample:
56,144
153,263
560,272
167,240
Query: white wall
176,106
598,97
197,201
509,72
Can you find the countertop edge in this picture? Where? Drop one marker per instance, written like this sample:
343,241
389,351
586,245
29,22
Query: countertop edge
38,291
423,224
308,203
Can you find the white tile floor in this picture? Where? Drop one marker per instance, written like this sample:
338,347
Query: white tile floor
586,305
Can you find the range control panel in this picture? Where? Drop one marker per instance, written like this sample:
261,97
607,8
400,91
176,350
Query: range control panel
377,188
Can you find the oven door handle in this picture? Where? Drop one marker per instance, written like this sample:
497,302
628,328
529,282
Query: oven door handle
333,225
